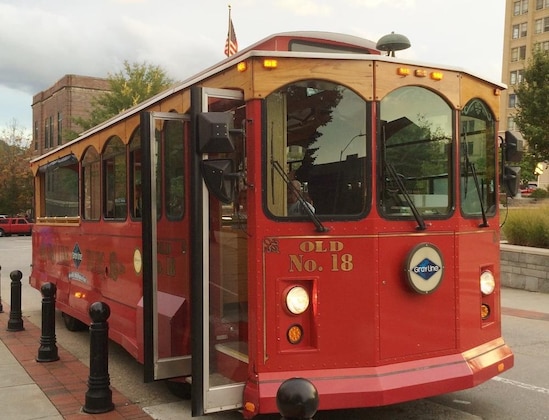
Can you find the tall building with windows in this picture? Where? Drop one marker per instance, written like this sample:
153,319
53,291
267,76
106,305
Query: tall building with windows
53,109
526,29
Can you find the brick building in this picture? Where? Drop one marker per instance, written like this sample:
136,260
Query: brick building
53,109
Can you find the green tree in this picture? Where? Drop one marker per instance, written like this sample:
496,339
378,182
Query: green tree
532,115
129,87
16,181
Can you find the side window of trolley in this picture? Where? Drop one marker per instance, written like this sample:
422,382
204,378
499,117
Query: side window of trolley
136,202
316,149
91,184
60,192
416,154
170,169
114,180
477,159
174,174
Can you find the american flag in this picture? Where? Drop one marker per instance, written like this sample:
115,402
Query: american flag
231,46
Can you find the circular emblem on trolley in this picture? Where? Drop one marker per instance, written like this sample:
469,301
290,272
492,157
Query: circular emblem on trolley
424,268
137,261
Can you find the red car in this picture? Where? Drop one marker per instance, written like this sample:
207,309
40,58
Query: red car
15,226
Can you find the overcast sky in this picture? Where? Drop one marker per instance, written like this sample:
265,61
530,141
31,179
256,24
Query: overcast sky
42,40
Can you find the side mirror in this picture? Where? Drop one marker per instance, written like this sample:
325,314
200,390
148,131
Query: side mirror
513,145
219,177
511,180
214,133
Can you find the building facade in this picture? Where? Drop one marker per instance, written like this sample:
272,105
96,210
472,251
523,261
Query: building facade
54,109
526,29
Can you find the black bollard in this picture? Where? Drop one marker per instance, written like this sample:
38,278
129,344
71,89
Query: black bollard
15,322
48,347
1,306
99,394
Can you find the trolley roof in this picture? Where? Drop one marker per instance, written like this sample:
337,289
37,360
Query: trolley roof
258,50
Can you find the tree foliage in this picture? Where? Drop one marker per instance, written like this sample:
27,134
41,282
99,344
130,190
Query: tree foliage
16,186
129,87
532,116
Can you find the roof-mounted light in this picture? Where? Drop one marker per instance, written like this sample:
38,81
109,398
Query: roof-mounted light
270,63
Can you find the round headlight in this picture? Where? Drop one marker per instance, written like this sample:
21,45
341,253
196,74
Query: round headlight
297,300
487,282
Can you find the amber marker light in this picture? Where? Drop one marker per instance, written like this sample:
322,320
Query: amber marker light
437,75
497,92
420,73
484,311
249,406
295,334
270,63
403,71
242,66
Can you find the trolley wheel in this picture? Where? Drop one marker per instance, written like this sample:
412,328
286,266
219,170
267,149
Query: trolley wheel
181,389
72,323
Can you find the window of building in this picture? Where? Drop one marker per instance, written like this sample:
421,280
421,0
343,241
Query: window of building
511,124
516,29
512,100
46,133
522,52
546,24
516,77
538,26
514,54
36,134
520,7
523,30
59,129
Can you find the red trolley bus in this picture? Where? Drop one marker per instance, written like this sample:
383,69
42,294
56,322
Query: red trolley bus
307,212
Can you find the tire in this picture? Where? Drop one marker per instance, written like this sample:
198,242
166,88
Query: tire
73,324
2,232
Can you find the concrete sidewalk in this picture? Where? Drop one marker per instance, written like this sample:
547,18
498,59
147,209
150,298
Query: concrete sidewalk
56,390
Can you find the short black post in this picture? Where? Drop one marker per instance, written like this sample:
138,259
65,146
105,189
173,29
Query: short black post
1,306
99,394
48,347
15,322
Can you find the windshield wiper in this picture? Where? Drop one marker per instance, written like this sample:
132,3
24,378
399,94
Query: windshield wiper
314,218
470,165
393,173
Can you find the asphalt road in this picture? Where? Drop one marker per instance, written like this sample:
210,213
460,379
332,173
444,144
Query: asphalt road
522,392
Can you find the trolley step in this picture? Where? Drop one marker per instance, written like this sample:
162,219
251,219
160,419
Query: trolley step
232,360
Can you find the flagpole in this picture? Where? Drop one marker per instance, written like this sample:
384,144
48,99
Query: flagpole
230,26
